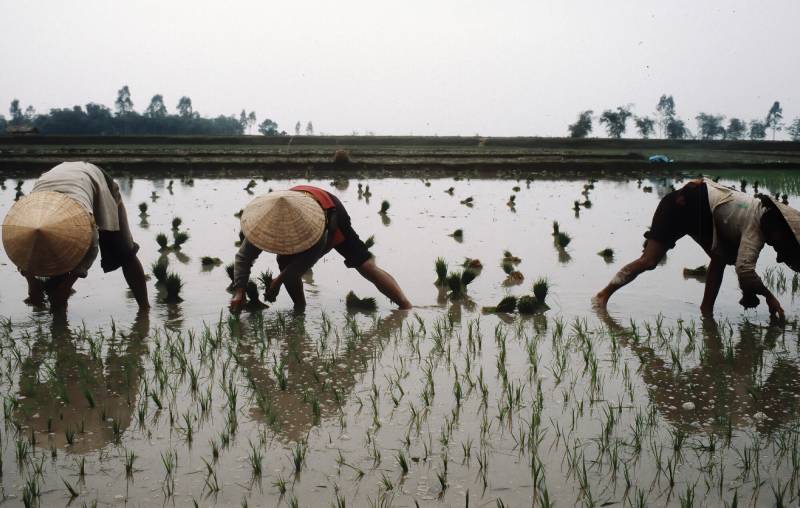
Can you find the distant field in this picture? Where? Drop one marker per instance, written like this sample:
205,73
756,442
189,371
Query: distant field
380,152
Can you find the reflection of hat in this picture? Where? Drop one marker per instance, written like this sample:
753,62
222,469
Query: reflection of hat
47,233
792,218
283,222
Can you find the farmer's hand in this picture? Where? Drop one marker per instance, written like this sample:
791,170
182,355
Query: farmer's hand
272,292
237,302
775,309
749,301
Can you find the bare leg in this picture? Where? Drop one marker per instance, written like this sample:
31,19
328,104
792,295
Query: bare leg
295,289
651,255
134,276
384,282
35,291
60,292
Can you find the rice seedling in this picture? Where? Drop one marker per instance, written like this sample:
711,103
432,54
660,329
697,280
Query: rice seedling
369,242
450,190
458,234
384,207
470,201
179,238
341,156
540,289
154,196
556,228
159,268
700,271
250,185
173,285
510,258
647,189
607,254
562,240
516,188
251,291
528,304
238,214
473,264
264,280
353,302
143,209
176,223
208,261
508,305
457,282
162,241
441,271
367,193
512,201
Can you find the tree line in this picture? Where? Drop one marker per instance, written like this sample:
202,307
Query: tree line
668,125
97,119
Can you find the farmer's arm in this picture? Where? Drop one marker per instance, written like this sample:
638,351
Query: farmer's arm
290,274
751,284
134,275
241,272
384,282
716,271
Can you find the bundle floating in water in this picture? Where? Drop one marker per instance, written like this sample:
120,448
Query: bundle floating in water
210,261
356,303
176,223
507,304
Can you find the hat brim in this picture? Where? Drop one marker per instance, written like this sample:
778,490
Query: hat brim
283,222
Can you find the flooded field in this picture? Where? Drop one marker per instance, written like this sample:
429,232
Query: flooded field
444,405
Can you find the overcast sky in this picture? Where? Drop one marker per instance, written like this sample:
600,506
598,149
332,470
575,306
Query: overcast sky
423,67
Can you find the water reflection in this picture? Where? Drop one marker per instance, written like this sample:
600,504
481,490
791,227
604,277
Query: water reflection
70,394
314,378
732,386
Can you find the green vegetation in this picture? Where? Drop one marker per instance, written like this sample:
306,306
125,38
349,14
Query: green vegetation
562,240
159,268
179,238
208,261
384,207
507,305
353,302
541,288
607,254
441,271
176,223
172,286
162,241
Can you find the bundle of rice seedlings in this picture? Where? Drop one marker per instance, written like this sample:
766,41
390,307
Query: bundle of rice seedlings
154,196
162,241
507,266
210,261
700,271
468,201
251,290
563,239
356,303
265,280
607,254
507,304
516,188
173,285
576,206
179,238
370,242
159,268
250,185
647,188
367,192
176,223
170,184
587,204
458,234
555,228
450,190
457,282
512,199
507,256
341,156
384,207
540,289
514,278
441,271
142,208
473,264
527,304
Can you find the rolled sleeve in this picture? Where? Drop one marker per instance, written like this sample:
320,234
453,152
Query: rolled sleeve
746,258
247,255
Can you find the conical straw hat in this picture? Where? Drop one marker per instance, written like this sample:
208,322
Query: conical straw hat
283,222
792,218
47,233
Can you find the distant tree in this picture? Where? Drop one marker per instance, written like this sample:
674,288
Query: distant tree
156,109
774,118
309,128
251,120
297,128
185,107
736,129
645,125
710,126
615,121
666,112
675,128
583,126
243,120
758,130
17,116
123,104
30,114
794,129
3,123
268,128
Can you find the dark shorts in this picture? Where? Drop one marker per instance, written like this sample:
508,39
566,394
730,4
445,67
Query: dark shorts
352,249
683,212
116,248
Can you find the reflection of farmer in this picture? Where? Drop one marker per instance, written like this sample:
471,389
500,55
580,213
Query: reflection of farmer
73,212
731,226
725,385
301,225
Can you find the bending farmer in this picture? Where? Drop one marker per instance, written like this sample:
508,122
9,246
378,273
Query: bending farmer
301,225
731,226
54,234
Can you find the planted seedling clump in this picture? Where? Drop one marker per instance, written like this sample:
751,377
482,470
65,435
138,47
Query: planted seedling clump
353,302
384,207
540,289
457,282
250,186
556,229
441,272
527,304
468,201
698,273
176,223
562,240
179,238
208,261
143,209
607,254
160,269
507,304
173,285
458,234
162,241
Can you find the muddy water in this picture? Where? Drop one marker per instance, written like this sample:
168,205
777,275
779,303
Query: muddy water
647,403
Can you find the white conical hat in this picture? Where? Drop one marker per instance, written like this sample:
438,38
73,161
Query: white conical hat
283,222
47,233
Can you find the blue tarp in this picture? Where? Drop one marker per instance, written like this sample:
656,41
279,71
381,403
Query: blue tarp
660,159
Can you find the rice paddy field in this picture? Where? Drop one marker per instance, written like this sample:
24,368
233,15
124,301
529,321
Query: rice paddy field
453,403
